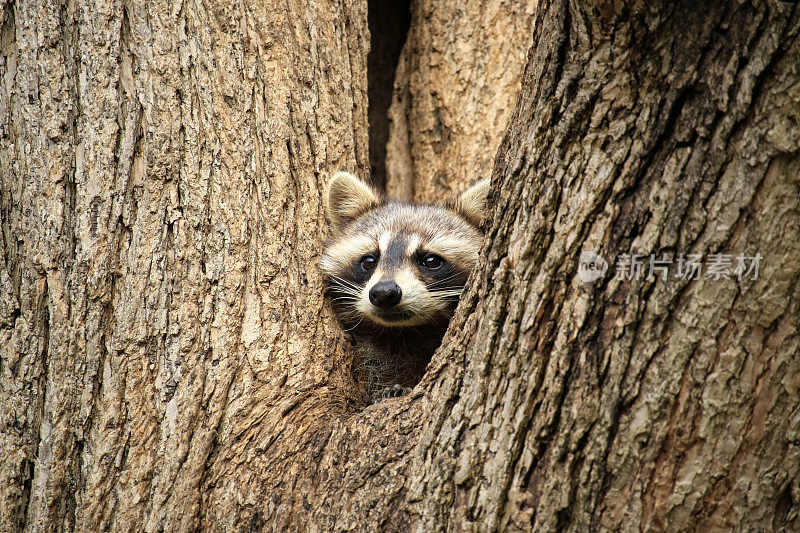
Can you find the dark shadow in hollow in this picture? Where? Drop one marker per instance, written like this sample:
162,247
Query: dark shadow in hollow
389,21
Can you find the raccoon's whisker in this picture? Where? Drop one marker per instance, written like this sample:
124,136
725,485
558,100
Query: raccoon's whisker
449,282
344,290
338,294
342,299
446,290
349,288
354,327
444,294
435,295
439,282
345,283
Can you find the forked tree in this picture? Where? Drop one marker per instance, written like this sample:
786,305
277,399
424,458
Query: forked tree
168,362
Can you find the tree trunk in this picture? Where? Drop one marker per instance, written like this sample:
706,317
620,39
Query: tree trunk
643,403
168,362
161,165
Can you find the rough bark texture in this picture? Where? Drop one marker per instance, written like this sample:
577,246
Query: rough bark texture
160,168
644,128
456,85
167,360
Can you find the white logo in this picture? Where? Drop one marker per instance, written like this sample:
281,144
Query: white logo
591,267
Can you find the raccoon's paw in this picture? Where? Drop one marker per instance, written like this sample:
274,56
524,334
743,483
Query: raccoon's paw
394,391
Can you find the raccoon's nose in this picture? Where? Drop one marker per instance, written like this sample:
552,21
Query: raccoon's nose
385,294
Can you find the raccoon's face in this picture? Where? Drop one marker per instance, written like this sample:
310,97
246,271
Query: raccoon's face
396,264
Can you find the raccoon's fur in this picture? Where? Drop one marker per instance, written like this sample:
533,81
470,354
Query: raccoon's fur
394,272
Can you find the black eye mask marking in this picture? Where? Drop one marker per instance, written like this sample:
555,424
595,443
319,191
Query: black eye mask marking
444,276
363,268
368,262
432,261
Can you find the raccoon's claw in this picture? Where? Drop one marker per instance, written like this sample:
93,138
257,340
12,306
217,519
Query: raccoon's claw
394,391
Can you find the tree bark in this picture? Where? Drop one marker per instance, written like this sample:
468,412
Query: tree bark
662,128
456,84
161,165
168,362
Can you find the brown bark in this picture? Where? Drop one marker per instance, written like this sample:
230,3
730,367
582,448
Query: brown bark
168,362
161,165
456,85
658,405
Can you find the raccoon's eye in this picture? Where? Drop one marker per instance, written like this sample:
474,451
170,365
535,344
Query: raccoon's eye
432,261
368,262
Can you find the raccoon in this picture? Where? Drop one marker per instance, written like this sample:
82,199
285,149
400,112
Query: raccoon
394,272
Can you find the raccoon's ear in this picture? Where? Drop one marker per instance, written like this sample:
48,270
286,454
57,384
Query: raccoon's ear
472,204
346,198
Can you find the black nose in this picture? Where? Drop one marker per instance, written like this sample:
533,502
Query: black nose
385,294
